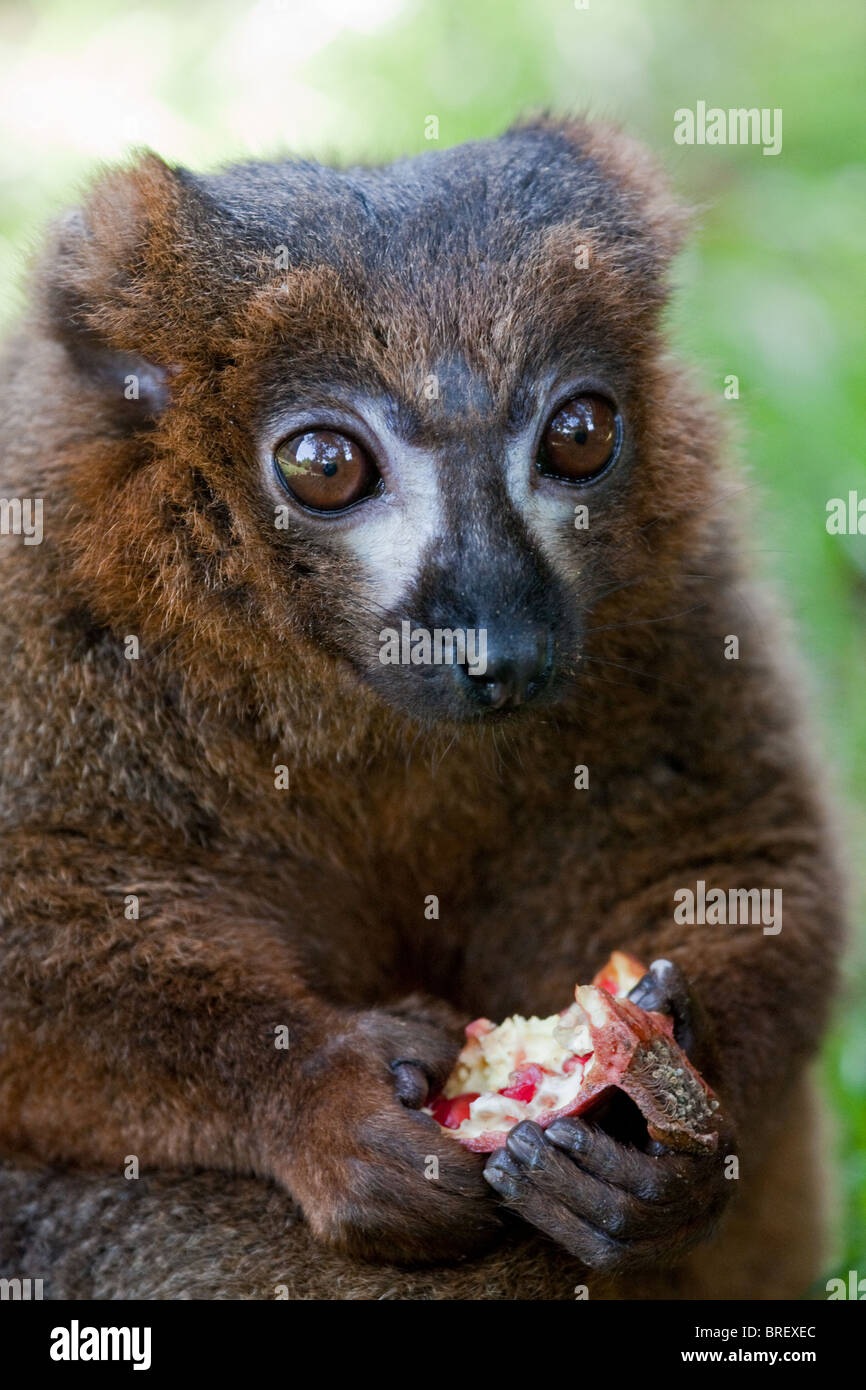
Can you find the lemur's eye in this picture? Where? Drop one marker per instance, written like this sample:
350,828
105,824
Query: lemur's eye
325,471
580,440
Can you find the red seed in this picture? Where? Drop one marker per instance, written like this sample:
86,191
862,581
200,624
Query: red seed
451,1111
571,1063
525,1081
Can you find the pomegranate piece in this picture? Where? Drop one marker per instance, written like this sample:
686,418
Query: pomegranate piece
635,1051
543,1069
450,1114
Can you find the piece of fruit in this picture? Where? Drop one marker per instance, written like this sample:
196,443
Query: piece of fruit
544,1068
450,1113
620,975
524,1083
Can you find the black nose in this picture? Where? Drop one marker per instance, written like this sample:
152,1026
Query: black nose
518,667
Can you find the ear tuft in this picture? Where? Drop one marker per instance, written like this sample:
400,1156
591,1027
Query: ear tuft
653,216
131,284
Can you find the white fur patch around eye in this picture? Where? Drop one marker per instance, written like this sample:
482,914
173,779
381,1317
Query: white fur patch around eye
394,536
549,516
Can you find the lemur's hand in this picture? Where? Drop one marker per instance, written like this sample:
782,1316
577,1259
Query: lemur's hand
611,1204
373,1175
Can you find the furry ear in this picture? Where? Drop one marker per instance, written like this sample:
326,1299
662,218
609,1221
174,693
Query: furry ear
649,224
665,221
133,284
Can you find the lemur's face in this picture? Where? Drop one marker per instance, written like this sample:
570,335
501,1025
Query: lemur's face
408,421
454,527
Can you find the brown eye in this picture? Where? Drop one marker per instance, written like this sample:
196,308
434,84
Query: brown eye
325,471
580,440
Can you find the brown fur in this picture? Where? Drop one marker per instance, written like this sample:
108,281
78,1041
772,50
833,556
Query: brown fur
306,908
203,1236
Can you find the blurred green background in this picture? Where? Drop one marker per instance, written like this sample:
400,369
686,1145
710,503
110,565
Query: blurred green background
772,289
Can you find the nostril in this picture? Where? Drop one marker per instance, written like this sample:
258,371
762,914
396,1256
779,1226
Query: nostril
514,673
496,693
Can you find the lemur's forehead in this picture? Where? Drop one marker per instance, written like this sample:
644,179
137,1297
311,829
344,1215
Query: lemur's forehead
471,345
452,284
475,208
481,197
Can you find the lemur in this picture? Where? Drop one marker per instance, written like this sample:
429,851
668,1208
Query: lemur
271,413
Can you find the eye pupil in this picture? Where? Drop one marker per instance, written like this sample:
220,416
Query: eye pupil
326,471
580,441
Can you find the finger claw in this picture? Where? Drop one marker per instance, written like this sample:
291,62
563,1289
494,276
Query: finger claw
570,1135
647,995
503,1174
526,1143
410,1083
664,989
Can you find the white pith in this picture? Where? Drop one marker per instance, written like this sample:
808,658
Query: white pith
488,1061
493,1054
